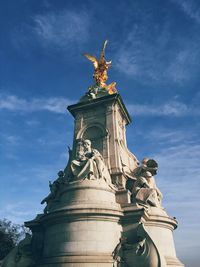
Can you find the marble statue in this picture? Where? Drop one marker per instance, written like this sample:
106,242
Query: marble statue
54,191
100,76
89,163
145,190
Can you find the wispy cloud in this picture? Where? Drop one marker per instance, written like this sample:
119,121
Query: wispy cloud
190,8
172,108
184,65
148,54
32,123
18,212
179,180
58,105
169,137
12,139
52,104
22,201
62,29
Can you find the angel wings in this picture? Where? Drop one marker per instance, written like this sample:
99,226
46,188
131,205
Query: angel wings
101,62
100,67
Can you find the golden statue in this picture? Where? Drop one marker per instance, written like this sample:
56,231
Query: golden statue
101,67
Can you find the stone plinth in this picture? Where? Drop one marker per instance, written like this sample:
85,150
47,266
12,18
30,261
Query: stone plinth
82,229
155,228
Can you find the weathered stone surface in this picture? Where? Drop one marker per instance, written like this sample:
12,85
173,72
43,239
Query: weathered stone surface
83,226
103,210
103,121
154,227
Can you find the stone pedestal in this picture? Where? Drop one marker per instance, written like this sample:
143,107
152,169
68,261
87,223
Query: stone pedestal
154,229
82,229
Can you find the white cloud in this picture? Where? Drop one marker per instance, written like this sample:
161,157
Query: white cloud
179,174
172,108
184,64
62,29
147,54
179,180
59,104
169,137
32,123
190,8
22,200
52,104
18,212
12,139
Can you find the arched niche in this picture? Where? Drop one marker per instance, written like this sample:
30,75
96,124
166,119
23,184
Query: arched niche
96,134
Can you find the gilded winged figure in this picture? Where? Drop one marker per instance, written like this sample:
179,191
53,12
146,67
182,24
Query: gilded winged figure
101,67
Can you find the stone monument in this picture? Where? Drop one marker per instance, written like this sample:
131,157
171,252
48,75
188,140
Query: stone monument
104,209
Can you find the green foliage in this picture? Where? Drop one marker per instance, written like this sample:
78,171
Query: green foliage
10,235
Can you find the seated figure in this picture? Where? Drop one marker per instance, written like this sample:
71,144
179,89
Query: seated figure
145,190
89,163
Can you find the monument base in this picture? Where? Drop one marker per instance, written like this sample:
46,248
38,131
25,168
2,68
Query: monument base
79,261
149,231
82,229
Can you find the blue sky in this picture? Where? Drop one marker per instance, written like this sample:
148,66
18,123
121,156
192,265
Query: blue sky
155,49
